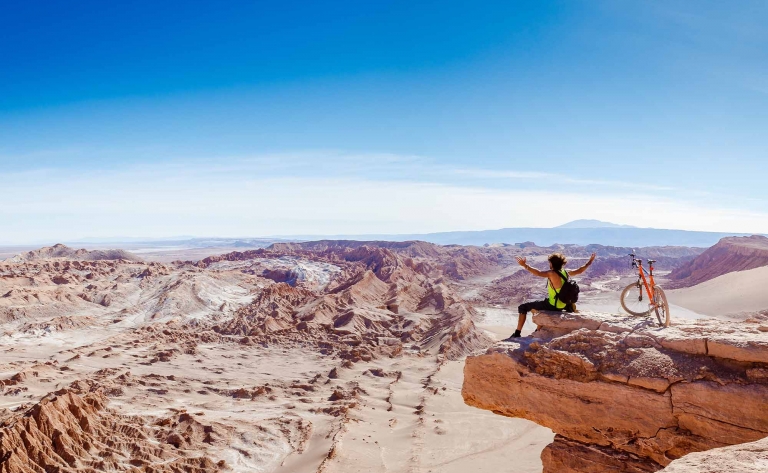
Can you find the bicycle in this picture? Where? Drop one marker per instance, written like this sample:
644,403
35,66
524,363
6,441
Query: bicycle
632,297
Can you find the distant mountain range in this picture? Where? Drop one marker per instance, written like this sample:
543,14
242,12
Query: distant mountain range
578,232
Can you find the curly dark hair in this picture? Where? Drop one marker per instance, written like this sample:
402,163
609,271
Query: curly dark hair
558,260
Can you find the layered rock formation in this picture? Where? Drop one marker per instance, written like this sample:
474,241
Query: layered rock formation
380,302
38,289
728,255
67,432
370,295
624,395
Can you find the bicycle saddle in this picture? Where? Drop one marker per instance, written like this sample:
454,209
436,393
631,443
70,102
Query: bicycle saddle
651,261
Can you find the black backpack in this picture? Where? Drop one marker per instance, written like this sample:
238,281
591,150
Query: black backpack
569,293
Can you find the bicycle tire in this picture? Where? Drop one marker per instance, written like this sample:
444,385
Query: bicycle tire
661,306
628,299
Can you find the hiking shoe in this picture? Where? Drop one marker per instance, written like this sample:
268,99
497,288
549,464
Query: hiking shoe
512,337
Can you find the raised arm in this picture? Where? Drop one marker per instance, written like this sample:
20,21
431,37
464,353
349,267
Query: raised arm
521,261
578,271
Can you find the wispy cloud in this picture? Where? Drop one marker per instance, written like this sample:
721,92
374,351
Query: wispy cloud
292,194
553,177
377,166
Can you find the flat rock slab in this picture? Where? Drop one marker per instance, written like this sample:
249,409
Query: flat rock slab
740,341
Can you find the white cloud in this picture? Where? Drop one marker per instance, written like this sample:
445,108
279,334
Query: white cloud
241,199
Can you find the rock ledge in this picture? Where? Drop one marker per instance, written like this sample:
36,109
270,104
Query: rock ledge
624,395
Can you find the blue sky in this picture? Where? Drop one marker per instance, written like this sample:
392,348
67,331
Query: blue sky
265,118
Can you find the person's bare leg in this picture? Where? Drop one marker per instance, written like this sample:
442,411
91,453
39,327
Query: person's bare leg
521,321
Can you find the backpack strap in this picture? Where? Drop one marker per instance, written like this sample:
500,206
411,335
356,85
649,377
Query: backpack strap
563,275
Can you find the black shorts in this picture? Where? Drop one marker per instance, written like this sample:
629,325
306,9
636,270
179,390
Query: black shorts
541,305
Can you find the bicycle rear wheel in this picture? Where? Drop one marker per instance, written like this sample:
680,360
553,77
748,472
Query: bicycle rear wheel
661,306
634,300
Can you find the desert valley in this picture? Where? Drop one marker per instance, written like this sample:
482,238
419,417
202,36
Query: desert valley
346,356
296,237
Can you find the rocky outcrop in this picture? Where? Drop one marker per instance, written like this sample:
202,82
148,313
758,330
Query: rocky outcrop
67,432
624,395
728,255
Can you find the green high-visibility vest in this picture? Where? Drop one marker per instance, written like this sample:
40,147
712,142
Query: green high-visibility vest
553,292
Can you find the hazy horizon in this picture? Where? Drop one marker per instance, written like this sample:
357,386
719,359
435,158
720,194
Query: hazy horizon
371,236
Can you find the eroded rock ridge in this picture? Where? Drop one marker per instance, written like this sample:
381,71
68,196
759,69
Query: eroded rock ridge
728,255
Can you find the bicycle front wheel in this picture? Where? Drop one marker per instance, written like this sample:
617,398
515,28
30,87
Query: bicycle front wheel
661,306
634,300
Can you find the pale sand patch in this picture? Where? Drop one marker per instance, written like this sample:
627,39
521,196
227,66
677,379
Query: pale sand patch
420,423
459,438
741,291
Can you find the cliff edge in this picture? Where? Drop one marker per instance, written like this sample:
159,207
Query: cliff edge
624,395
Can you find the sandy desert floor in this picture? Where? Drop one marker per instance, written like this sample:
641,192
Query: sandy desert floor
409,415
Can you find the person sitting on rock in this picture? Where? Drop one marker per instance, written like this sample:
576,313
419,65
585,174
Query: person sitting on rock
556,276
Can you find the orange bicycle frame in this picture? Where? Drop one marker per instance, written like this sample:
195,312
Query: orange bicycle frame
648,289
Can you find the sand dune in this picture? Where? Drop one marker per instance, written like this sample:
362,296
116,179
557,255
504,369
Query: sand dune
732,293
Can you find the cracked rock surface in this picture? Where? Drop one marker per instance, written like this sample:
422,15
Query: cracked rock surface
624,395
